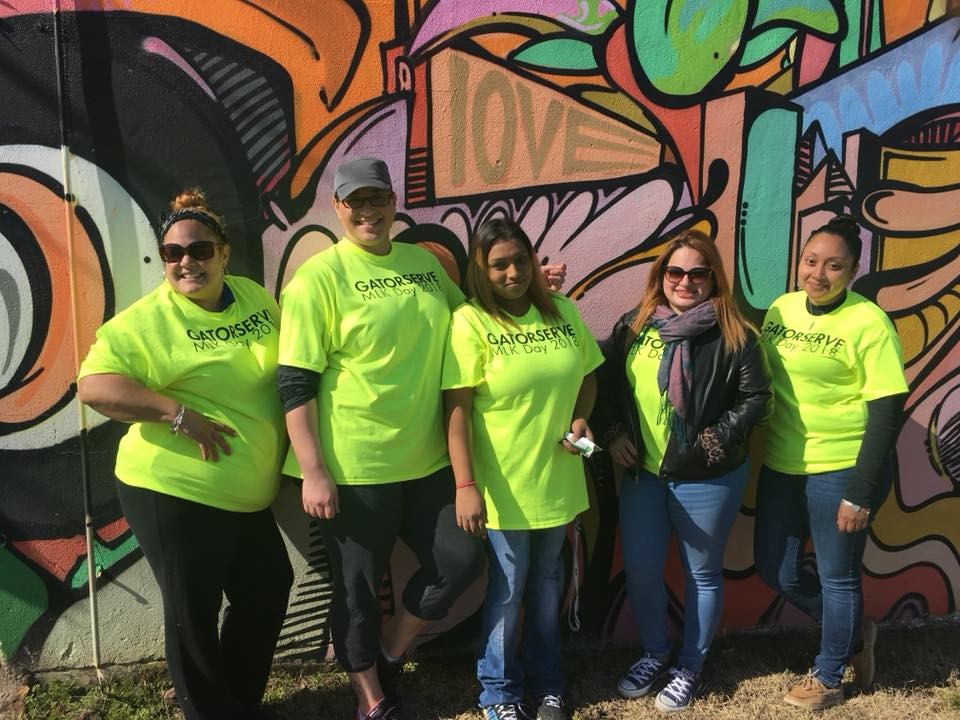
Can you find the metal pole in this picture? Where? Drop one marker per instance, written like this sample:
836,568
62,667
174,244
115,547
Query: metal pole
68,213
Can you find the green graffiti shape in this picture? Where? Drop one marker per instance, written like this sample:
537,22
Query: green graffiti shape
815,16
105,557
682,45
764,45
567,54
23,599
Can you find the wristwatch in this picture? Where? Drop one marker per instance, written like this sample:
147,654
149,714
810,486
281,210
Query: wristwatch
854,506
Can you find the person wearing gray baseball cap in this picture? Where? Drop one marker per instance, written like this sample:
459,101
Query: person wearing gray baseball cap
361,172
362,338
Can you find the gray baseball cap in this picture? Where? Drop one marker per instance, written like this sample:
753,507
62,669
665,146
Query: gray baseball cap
359,173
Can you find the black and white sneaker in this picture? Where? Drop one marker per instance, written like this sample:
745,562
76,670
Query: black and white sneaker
550,707
642,676
680,691
502,711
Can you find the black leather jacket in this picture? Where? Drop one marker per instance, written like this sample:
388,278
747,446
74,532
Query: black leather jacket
730,394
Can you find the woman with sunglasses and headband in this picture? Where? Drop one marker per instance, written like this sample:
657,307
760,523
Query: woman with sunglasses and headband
683,384
839,389
192,367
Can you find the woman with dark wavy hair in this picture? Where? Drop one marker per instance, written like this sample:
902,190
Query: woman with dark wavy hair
518,379
839,388
683,384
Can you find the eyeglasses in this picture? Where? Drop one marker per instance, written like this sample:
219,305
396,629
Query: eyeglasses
357,203
200,250
697,275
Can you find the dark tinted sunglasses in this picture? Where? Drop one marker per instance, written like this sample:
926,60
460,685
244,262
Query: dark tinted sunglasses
377,200
200,250
697,275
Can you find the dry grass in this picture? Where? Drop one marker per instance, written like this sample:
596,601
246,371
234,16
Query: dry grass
918,679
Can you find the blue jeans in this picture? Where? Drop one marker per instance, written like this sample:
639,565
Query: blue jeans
702,513
526,573
790,510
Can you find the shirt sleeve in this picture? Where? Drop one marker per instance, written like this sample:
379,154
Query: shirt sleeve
306,323
880,362
589,349
463,358
454,295
113,353
590,353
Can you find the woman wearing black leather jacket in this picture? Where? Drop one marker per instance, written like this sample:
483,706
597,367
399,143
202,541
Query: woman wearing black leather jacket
683,384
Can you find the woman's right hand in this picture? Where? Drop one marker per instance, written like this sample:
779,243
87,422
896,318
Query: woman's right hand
623,452
208,434
319,495
471,515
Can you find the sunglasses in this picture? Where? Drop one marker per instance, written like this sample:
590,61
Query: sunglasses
697,275
200,250
357,203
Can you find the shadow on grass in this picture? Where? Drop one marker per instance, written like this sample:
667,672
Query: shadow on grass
917,665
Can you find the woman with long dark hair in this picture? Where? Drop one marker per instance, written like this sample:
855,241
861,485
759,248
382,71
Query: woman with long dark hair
518,389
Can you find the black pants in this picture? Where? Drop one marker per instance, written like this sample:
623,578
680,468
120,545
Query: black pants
198,554
360,542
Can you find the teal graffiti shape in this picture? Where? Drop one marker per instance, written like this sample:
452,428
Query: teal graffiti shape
568,54
23,599
105,557
817,16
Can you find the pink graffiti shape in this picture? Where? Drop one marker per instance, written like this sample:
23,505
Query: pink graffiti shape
447,15
268,183
815,57
156,46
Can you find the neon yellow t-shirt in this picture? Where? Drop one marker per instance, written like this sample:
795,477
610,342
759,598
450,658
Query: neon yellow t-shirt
374,327
825,368
221,364
643,363
526,380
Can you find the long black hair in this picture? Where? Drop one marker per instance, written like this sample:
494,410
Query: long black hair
478,280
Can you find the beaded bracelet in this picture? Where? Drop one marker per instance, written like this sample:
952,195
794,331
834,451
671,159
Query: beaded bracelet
178,419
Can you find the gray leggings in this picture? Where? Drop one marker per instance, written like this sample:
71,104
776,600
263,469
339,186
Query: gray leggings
360,542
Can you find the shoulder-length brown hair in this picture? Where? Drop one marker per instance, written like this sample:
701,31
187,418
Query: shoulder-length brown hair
478,279
733,324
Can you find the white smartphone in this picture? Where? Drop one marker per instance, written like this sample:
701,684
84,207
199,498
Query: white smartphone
585,445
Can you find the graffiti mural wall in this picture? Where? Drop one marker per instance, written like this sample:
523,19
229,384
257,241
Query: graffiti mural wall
603,126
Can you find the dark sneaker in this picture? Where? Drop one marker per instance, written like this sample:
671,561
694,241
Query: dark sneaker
642,676
383,710
864,662
388,672
503,711
550,707
680,691
813,694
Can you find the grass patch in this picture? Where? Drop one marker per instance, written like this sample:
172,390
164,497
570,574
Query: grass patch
747,674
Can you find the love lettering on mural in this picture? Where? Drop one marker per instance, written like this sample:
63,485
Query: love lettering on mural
493,130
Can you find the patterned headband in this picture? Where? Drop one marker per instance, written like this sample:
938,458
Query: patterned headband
192,214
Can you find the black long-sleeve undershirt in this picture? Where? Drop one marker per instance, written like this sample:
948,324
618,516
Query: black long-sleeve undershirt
879,435
296,386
